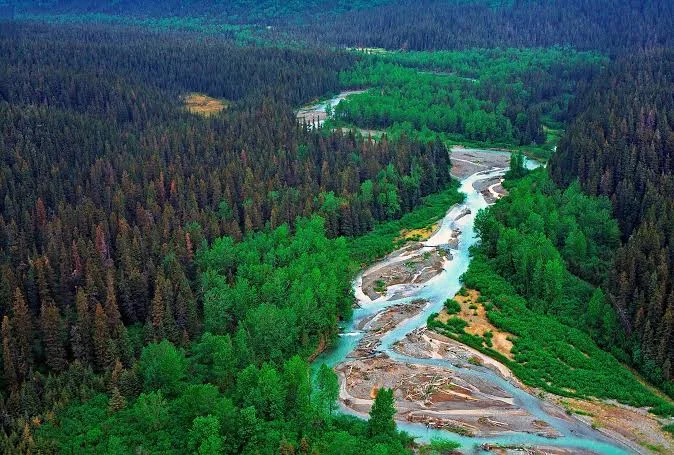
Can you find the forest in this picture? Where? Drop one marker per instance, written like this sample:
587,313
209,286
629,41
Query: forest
621,146
485,96
606,25
244,386
233,11
111,191
168,280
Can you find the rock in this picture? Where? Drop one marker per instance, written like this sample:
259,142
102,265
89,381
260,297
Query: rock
465,212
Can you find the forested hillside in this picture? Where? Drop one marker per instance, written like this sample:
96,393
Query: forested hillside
235,11
621,145
440,24
168,279
605,25
110,189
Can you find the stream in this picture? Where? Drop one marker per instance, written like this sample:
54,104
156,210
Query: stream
575,434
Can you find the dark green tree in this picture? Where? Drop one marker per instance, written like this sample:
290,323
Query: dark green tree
381,414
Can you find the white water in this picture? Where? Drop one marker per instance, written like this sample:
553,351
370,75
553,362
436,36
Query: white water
575,434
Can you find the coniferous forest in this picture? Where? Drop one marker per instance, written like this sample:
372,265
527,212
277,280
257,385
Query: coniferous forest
621,145
168,279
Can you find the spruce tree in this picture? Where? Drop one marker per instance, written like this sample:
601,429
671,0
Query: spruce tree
381,414
9,372
52,337
23,332
101,338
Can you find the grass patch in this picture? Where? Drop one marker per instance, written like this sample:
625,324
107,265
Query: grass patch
204,105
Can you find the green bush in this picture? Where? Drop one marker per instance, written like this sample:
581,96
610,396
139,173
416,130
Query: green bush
452,306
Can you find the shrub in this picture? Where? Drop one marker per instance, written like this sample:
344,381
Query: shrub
452,306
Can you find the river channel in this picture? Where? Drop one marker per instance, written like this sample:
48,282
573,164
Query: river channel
574,435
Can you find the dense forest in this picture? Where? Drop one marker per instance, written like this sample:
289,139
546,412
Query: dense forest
235,11
489,96
621,145
242,390
606,25
110,190
167,278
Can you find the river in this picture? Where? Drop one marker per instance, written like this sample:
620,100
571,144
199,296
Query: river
575,435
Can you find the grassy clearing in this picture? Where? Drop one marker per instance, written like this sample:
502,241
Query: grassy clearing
204,105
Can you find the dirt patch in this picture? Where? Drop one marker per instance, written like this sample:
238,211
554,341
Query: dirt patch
381,323
632,426
204,105
540,450
491,189
475,315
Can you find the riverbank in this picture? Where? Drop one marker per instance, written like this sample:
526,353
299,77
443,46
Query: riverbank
440,384
634,427
316,113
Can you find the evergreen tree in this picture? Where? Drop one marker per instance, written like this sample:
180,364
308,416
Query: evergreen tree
101,339
382,414
9,371
52,337
23,332
117,401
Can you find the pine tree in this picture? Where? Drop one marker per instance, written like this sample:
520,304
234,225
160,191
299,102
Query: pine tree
117,401
27,443
9,371
52,337
82,330
157,311
101,338
116,373
381,415
111,308
129,383
23,333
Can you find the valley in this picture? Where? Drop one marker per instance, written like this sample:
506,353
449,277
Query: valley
391,227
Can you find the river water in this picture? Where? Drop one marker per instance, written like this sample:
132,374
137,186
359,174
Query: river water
576,435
